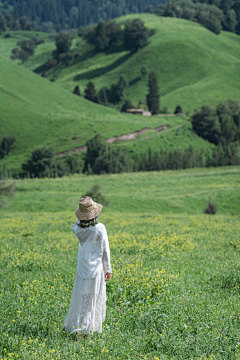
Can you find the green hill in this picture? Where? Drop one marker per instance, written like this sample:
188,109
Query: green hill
193,65
38,112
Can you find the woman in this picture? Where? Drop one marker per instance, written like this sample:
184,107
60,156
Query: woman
88,303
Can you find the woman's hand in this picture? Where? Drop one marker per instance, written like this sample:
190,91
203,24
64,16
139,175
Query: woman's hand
108,276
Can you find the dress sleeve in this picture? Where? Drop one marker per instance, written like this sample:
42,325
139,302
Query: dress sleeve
106,252
75,227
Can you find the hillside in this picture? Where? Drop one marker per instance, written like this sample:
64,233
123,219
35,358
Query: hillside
193,65
38,112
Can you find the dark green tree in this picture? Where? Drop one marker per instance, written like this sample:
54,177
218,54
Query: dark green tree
100,39
76,91
153,97
40,162
7,144
135,35
206,124
178,110
102,96
127,105
25,49
3,24
90,92
114,32
95,146
63,44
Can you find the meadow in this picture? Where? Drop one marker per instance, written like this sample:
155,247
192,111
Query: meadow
175,288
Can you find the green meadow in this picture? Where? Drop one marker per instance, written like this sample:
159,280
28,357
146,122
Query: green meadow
174,293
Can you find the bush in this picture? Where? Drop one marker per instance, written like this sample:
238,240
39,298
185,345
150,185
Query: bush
144,70
211,209
40,162
7,189
76,91
178,110
95,193
7,144
127,105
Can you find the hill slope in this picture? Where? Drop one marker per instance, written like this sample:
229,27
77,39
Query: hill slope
193,65
38,112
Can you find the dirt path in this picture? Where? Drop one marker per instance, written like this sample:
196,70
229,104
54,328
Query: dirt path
130,136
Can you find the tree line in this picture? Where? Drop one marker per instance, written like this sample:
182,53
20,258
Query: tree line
215,15
55,15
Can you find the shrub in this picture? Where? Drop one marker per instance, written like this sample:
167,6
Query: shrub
211,209
127,105
144,70
178,110
95,193
76,90
7,144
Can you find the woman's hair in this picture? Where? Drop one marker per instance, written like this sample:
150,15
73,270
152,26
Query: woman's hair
87,223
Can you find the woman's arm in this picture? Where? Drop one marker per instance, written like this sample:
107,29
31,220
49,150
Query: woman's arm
106,254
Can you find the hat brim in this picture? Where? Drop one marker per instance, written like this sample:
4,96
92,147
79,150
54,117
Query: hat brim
89,215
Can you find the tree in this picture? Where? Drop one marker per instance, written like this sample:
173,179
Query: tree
40,162
10,21
24,23
206,124
153,97
76,91
95,146
90,92
7,144
102,96
135,35
3,25
26,48
144,70
178,110
100,39
210,21
63,44
114,32
127,105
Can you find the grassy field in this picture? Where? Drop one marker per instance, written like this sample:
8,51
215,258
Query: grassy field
175,288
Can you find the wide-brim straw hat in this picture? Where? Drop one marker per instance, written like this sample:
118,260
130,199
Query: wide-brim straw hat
88,209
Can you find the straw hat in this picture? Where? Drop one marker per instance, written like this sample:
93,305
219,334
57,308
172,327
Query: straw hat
88,209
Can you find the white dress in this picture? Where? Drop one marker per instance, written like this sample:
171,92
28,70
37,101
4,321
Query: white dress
87,309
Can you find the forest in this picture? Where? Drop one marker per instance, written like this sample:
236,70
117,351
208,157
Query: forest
53,15
49,15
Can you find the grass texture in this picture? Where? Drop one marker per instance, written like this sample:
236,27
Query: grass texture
175,288
193,65
40,113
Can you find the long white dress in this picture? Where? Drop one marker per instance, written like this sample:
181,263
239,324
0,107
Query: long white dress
87,309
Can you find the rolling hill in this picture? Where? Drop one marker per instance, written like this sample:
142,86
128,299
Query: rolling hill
40,113
193,65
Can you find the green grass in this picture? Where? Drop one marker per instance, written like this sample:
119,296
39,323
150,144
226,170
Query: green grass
175,288
193,65
40,113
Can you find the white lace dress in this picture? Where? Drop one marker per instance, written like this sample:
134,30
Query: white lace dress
87,309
